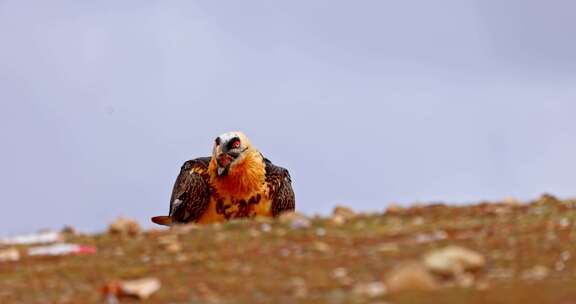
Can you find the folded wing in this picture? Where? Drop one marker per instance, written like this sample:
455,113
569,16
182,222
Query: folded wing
190,195
280,187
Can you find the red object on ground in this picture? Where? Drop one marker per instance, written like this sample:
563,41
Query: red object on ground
86,250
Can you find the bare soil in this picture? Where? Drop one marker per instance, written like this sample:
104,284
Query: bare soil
530,251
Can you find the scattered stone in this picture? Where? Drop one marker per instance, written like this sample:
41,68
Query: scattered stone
301,223
438,235
559,266
564,223
184,228
265,227
295,219
465,280
125,226
321,247
341,214
370,290
254,232
387,248
536,273
285,252
170,243
61,249
9,255
140,289
453,260
410,276
320,232
43,237
181,258
346,212
501,211
340,274
551,236
501,273
337,220
418,221
207,295
299,288
510,201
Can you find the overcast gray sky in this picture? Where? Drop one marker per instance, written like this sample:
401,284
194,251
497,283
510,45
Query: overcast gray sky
365,102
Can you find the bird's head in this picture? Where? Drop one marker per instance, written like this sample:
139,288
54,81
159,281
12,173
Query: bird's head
230,149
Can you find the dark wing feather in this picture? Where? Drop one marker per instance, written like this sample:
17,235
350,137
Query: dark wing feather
280,186
191,193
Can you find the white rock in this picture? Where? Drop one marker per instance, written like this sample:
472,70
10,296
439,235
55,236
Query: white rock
453,260
61,249
34,238
141,288
9,255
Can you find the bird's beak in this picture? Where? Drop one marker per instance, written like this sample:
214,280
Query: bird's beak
223,160
225,157
222,171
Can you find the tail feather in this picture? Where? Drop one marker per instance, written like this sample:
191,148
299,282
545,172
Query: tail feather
163,220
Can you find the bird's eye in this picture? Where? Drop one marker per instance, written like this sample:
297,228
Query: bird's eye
234,144
217,141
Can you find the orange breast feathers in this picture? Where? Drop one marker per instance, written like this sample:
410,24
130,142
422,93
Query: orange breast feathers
246,178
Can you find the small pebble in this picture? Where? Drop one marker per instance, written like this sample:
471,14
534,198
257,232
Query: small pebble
343,211
321,247
125,226
370,290
536,273
387,248
266,227
295,219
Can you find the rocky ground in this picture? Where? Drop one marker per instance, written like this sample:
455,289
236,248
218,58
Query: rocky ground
504,252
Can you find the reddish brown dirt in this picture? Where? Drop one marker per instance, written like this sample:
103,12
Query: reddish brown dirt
530,251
